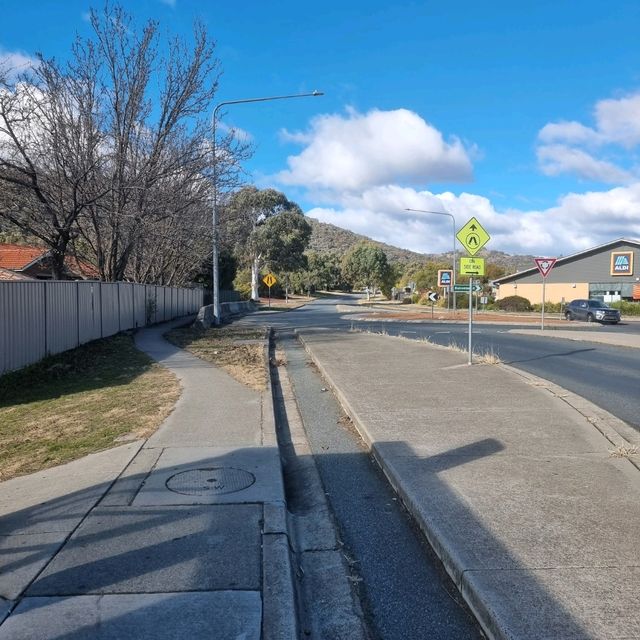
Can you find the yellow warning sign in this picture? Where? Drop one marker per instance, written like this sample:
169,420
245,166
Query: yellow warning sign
472,266
473,237
269,280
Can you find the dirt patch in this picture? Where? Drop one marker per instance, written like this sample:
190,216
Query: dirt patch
237,350
460,316
280,304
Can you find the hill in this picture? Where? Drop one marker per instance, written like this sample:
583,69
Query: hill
328,237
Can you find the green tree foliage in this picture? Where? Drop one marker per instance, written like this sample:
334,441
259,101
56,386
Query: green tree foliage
514,303
282,240
366,266
323,271
264,227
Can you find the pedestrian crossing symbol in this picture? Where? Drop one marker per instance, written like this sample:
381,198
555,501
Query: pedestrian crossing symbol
473,236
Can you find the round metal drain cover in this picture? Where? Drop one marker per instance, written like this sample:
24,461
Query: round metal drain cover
202,482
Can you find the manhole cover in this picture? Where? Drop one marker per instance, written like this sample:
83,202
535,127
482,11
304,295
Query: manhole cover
202,482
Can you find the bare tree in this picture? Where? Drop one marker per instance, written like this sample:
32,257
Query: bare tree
49,150
109,156
148,145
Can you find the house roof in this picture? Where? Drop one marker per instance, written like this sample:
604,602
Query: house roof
573,256
7,275
18,257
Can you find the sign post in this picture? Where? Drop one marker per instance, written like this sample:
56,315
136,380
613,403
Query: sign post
544,266
445,280
269,280
433,297
472,237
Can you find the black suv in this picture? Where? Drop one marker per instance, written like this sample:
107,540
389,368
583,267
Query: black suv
591,311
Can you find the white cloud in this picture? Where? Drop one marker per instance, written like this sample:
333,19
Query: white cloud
357,151
577,222
619,120
13,63
556,159
617,124
570,133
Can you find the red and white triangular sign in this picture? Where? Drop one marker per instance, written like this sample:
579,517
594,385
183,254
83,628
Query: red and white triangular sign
545,265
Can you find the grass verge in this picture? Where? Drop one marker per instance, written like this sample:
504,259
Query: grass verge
79,402
237,350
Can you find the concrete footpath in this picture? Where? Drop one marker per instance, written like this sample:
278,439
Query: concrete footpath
511,479
179,536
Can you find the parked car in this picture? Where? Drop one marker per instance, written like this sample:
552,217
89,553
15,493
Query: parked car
591,311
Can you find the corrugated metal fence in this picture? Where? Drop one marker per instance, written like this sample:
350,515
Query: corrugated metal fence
41,318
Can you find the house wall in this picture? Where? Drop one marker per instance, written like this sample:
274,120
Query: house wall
44,317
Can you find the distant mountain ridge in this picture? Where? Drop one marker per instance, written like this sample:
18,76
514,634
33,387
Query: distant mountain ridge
327,237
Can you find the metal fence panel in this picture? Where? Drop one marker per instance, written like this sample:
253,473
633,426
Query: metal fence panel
89,303
110,310
152,302
125,305
22,324
140,306
46,317
61,317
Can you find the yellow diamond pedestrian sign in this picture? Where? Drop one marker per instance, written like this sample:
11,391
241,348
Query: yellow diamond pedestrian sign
473,237
269,280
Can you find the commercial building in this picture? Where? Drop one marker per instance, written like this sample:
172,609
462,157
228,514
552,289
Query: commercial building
609,272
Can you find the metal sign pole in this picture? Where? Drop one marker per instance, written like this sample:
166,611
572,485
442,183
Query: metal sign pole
543,297
470,319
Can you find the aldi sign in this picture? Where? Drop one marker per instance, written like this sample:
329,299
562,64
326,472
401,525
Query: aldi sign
622,263
445,277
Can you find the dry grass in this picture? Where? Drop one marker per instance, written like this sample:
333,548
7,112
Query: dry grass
484,357
86,400
237,350
623,451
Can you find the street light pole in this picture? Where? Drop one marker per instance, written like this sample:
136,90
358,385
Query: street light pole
215,285
453,220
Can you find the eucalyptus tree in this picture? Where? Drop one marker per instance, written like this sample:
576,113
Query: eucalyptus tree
266,228
366,265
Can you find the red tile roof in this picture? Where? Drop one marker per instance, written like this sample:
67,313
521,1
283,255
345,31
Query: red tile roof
17,256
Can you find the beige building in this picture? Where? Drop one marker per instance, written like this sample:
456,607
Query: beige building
609,272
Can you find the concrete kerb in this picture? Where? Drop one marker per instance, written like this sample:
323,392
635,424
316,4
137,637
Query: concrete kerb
280,617
610,427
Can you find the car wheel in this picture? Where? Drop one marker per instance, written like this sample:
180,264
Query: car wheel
568,316
589,317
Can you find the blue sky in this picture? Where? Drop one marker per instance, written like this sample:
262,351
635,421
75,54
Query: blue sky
525,115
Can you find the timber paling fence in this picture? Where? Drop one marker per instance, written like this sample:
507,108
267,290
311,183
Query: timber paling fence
44,317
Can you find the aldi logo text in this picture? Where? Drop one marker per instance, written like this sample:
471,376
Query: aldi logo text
622,263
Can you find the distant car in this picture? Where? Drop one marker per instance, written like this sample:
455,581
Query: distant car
591,311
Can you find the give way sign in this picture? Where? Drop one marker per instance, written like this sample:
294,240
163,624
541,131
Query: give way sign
545,265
